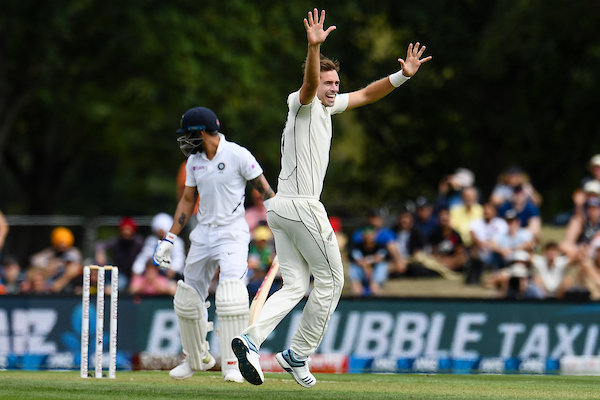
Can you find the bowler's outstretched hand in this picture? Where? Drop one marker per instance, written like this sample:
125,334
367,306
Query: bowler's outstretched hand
413,61
314,28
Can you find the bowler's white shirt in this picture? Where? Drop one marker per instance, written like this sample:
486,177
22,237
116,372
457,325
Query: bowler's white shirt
221,182
305,145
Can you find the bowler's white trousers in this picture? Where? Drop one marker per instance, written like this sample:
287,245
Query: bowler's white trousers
305,244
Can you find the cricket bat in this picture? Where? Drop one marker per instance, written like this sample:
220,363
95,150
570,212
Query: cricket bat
263,291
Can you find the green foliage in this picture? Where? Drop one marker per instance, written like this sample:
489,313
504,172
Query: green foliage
510,82
92,92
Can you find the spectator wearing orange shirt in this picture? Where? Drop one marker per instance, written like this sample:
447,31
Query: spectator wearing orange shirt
62,262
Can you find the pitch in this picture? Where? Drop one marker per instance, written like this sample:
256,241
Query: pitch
158,385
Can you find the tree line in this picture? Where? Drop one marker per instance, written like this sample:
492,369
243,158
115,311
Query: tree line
91,94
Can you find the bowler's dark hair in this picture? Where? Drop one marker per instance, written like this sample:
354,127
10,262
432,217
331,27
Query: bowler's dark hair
327,64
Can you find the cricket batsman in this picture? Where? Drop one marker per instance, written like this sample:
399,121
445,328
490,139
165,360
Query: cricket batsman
217,171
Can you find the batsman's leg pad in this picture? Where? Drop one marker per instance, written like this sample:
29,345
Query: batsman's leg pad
193,325
231,301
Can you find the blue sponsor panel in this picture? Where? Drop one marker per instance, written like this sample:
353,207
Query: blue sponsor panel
464,366
60,361
383,335
430,365
45,333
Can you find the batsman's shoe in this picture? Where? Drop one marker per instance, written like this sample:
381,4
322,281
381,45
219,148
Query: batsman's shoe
247,355
233,375
184,370
208,362
298,369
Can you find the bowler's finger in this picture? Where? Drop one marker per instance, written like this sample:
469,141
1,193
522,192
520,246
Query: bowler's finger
311,21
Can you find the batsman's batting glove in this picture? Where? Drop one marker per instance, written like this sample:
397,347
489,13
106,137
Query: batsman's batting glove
162,253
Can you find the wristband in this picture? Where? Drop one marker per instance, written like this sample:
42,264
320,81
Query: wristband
397,78
170,237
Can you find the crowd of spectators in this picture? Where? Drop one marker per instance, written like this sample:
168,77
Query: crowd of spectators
58,268
495,241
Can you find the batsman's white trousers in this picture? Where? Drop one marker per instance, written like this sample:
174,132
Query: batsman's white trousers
305,244
213,246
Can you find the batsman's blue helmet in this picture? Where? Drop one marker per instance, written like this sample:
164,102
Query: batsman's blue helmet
192,122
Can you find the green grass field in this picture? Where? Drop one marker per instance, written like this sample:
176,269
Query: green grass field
158,385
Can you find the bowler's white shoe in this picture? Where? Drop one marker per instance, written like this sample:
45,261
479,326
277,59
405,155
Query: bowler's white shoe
233,375
298,369
184,370
247,355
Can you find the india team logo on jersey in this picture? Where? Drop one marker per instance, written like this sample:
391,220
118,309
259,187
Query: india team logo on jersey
221,166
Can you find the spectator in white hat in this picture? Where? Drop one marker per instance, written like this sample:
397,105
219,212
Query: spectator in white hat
514,281
463,214
590,186
451,186
590,189
161,223
519,285
594,166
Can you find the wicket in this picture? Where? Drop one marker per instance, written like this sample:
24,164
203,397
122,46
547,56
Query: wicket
85,320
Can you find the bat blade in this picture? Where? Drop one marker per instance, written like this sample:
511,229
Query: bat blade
263,291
